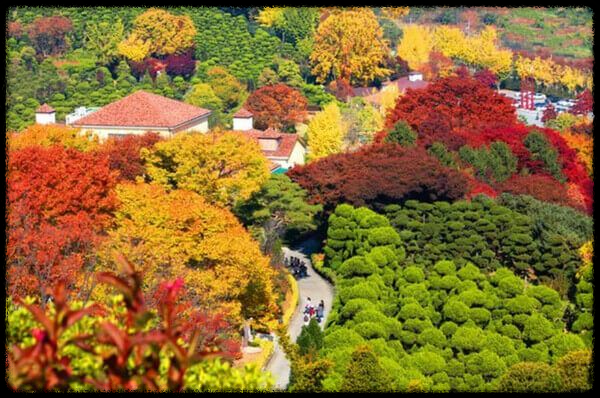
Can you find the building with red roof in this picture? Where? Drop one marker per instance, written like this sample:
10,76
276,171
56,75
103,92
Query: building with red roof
282,149
45,114
140,112
373,95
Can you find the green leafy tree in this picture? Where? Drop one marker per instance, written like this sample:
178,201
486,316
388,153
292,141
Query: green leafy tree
310,339
402,134
202,95
102,40
365,373
281,209
530,377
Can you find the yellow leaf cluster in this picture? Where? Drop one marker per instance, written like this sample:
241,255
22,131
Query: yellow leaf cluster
134,48
587,254
480,50
222,167
171,234
326,132
387,98
48,135
270,16
547,72
395,12
415,46
584,146
158,32
349,45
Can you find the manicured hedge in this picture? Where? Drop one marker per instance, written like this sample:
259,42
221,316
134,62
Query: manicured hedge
437,325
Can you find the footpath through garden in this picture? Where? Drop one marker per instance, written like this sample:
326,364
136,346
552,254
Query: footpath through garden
313,286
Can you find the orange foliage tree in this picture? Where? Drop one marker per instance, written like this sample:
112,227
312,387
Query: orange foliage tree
59,203
278,106
178,234
53,134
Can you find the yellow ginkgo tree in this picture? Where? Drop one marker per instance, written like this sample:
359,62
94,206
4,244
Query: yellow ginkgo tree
222,167
170,234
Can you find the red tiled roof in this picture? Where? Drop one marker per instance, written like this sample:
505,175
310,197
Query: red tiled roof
403,83
286,142
143,109
45,108
243,113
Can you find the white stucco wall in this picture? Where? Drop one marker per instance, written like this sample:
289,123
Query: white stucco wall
199,125
296,158
242,124
45,118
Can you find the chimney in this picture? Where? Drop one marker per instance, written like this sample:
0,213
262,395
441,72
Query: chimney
242,120
45,115
414,76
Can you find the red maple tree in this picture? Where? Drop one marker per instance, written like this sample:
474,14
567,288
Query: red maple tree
278,106
378,174
59,203
124,154
463,103
584,104
48,34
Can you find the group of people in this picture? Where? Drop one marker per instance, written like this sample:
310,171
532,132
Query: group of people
298,266
310,311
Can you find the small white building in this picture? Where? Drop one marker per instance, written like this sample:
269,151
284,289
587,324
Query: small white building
141,112
284,150
45,114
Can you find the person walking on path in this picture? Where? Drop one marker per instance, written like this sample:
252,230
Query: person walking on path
320,311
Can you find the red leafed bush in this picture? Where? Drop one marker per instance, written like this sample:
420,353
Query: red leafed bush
477,187
278,106
464,103
549,113
181,64
128,346
59,202
124,154
486,77
541,187
377,175
584,104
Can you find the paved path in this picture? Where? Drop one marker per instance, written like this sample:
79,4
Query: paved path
313,286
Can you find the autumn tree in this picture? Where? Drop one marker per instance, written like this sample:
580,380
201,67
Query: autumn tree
349,44
124,154
438,66
486,77
395,12
415,46
169,234
462,103
326,132
549,113
59,203
49,34
376,175
49,135
222,167
102,40
584,104
181,64
158,32
278,106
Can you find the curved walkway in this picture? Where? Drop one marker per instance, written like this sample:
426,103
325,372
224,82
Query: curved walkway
313,286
